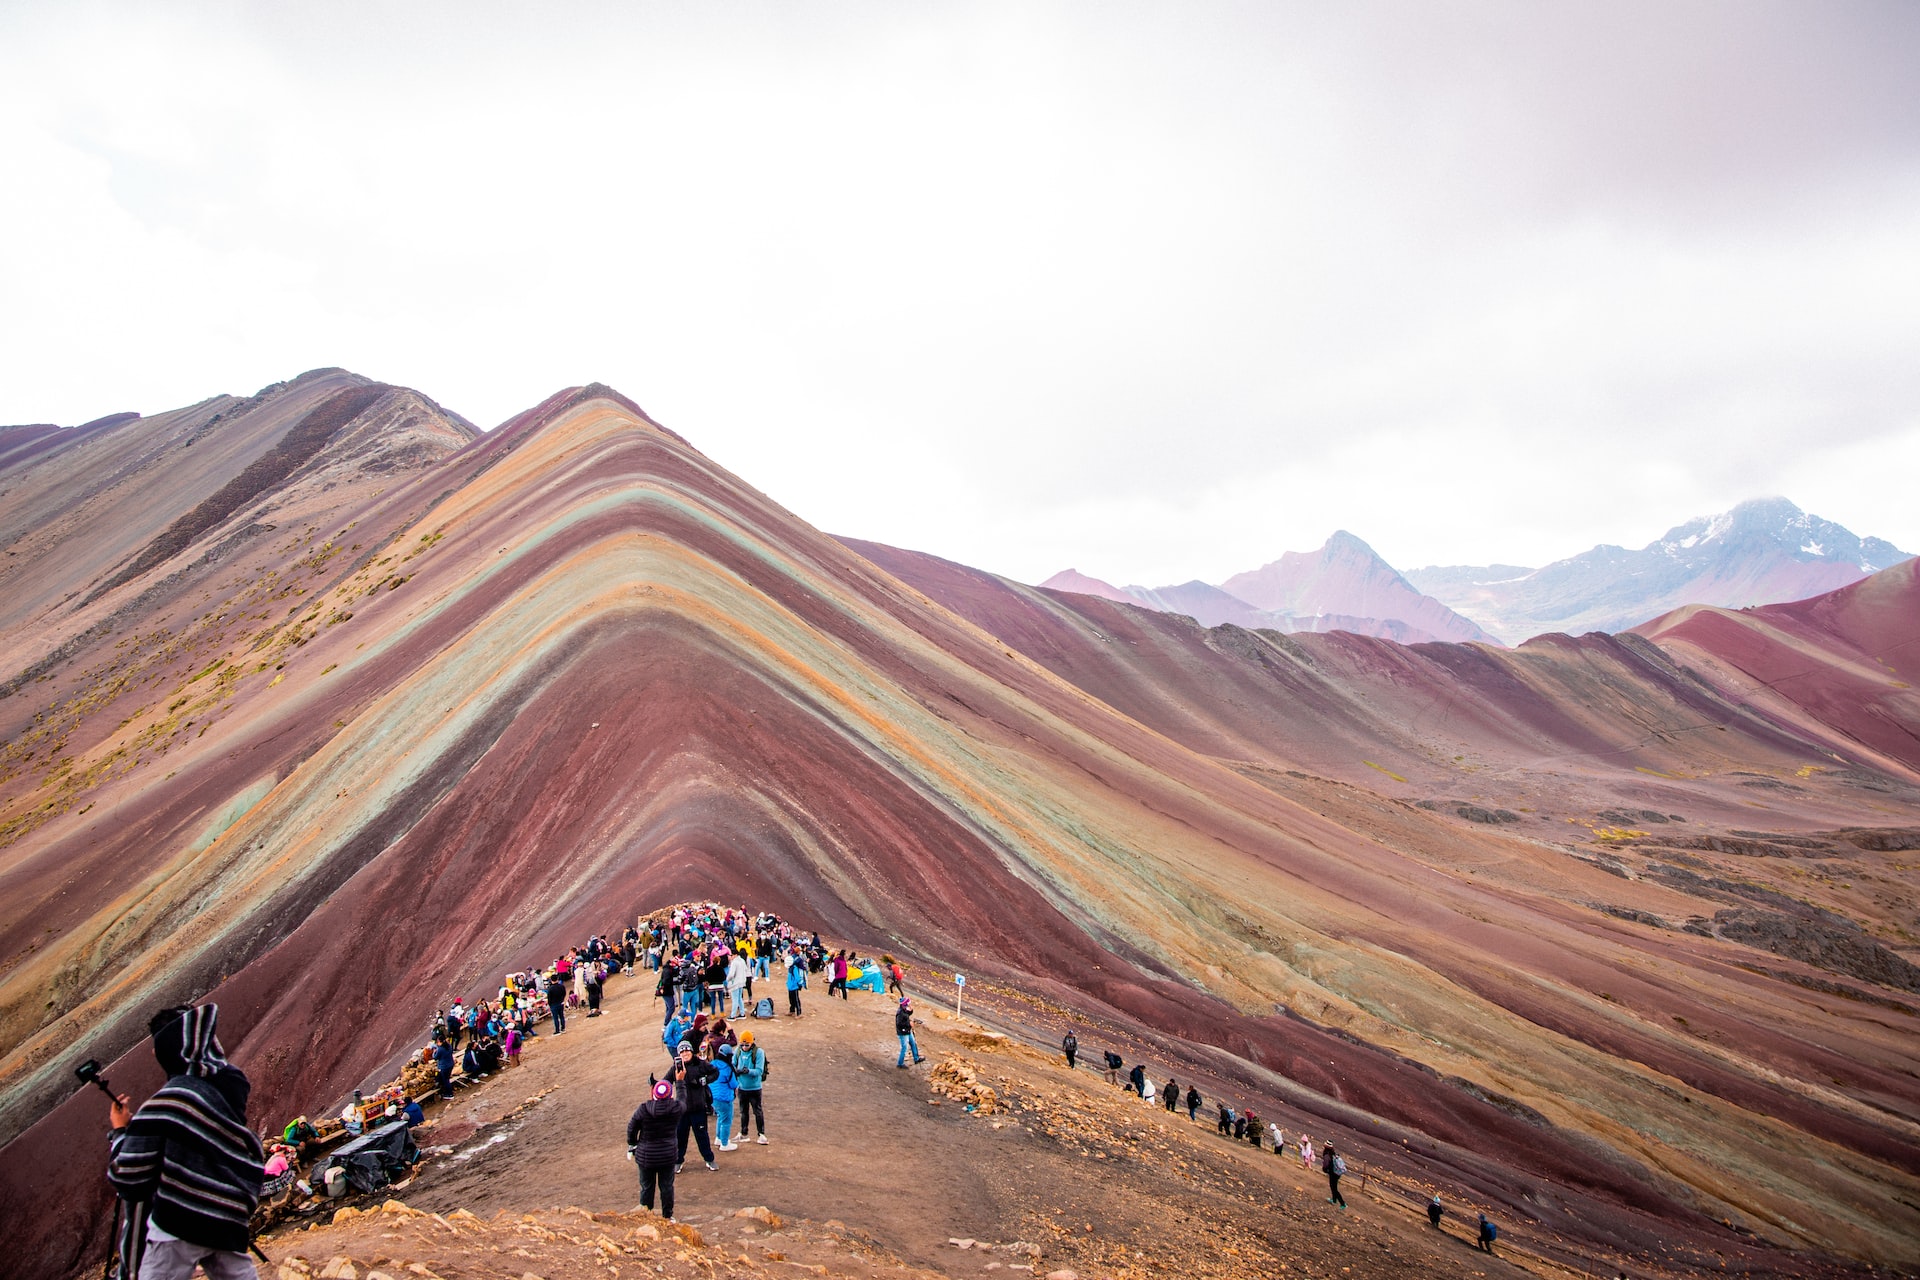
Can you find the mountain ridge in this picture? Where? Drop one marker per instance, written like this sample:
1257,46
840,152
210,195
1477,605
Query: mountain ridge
434,724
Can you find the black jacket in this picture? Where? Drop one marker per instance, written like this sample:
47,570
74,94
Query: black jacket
653,1130
903,1022
690,1083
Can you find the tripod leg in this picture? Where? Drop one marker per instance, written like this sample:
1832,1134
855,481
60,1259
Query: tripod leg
113,1242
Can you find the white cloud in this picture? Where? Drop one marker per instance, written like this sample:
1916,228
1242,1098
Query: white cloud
1160,293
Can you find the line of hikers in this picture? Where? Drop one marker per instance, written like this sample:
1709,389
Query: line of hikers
1247,1127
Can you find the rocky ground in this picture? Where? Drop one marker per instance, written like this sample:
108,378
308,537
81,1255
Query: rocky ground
990,1157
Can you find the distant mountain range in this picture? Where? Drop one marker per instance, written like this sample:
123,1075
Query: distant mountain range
1761,552
1344,586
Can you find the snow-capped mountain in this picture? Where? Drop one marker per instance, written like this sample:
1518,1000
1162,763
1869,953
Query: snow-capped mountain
1762,552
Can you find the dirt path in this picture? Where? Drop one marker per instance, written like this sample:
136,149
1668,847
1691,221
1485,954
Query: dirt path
1073,1174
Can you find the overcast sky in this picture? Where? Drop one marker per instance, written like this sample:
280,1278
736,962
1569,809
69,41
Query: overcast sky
1155,291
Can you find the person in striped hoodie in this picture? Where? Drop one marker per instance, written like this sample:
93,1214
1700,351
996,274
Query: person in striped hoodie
186,1165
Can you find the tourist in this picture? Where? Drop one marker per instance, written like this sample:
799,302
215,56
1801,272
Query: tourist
556,993
720,1091
650,1145
1170,1095
596,984
1335,1166
1225,1125
1139,1078
351,1117
1279,1137
280,1159
796,979
894,976
1488,1234
690,973
690,1076
185,1163
511,1044
1253,1129
749,1077
442,1063
718,1034
1114,1063
903,1027
1435,1210
1193,1102
1306,1152
1070,1046
737,977
664,989
715,978
678,1028
839,982
486,1053
301,1134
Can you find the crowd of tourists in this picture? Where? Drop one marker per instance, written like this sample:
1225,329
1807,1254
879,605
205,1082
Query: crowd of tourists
705,960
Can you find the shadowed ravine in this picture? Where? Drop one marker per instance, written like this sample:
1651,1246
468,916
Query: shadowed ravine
455,706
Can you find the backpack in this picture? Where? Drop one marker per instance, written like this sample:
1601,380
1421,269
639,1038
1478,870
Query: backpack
1340,1166
764,1009
1493,1232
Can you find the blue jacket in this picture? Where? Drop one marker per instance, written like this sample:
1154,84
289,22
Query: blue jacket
674,1032
796,976
749,1067
720,1088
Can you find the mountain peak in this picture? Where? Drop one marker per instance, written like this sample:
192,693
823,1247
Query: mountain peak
1347,577
1080,584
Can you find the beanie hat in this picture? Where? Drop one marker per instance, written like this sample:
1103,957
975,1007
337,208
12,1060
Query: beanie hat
746,1037
663,1091
686,1046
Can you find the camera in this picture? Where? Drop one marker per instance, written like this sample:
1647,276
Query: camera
89,1073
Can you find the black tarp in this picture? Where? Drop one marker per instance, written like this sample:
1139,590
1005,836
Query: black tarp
373,1159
